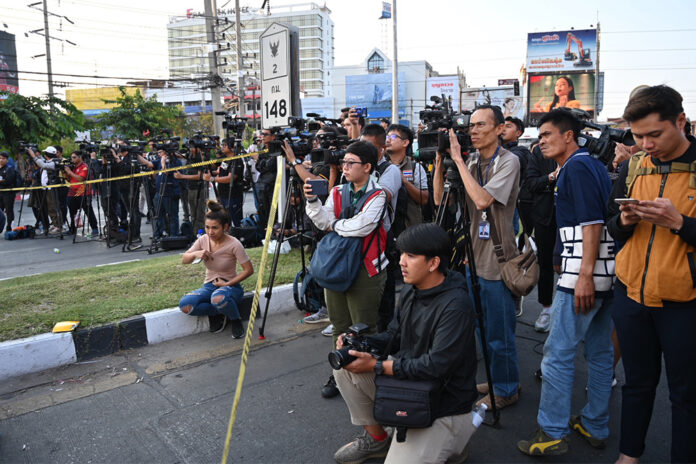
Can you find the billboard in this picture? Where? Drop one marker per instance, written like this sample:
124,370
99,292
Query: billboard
447,85
504,97
93,99
551,91
374,91
9,82
574,50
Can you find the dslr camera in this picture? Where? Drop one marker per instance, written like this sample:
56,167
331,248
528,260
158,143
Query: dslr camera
354,339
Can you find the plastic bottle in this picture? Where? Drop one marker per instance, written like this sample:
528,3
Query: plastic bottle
200,233
478,414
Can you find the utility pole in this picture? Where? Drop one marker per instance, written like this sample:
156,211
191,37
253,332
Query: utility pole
240,72
395,73
215,79
48,50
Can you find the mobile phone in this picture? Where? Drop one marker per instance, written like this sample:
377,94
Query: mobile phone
319,186
361,112
627,201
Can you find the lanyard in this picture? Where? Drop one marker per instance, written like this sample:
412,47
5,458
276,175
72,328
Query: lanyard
478,166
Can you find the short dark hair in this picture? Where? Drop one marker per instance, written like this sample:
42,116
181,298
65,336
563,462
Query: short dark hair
365,151
660,99
58,148
427,239
217,212
498,116
403,131
516,121
563,120
385,120
376,131
4,154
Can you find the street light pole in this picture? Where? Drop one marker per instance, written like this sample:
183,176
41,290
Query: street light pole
395,72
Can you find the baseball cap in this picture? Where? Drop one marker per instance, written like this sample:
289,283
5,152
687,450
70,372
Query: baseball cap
51,151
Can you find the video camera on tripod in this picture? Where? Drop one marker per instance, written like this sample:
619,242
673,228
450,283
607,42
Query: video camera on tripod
202,141
438,119
331,148
166,142
601,147
300,140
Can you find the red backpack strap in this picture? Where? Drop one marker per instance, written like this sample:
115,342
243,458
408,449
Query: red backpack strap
337,202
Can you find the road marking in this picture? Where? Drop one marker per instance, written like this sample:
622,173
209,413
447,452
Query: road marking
119,262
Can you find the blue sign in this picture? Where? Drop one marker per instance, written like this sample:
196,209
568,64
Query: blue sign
574,50
386,10
374,91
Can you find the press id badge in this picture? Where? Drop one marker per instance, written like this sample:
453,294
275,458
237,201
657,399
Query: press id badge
484,232
223,165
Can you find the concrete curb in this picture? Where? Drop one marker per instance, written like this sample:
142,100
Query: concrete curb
46,351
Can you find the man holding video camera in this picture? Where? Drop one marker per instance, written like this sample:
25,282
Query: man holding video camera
491,180
49,175
266,165
432,337
654,306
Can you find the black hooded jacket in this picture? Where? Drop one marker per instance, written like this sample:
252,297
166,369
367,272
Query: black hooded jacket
436,341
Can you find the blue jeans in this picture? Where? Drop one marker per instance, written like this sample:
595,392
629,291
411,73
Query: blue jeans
567,331
168,215
202,301
499,323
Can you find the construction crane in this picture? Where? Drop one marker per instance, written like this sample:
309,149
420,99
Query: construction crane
584,53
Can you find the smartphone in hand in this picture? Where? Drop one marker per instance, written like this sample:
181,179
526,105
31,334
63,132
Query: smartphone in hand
319,186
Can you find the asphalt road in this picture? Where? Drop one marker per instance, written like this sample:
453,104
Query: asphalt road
27,257
171,403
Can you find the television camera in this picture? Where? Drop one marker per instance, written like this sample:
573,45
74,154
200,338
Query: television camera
601,147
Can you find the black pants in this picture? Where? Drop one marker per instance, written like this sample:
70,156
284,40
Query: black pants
265,195
84,203
525,208
7,205
645,335
545,237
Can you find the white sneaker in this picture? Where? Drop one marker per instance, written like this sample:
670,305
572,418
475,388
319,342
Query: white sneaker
543,322
320,316
328,331
53,230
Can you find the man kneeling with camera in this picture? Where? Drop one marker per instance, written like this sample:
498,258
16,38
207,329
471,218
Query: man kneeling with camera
431,339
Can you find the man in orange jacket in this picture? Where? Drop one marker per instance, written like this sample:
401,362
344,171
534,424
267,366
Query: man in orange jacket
654,306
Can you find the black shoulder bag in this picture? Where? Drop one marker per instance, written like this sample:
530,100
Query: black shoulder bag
405,403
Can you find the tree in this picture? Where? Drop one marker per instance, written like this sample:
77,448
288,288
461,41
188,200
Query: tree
135,116
37,120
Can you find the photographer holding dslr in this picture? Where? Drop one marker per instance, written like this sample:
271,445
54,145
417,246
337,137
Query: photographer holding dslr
49,175
430,338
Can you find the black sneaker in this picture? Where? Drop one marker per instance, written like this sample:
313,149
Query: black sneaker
330,389
217,323
237,328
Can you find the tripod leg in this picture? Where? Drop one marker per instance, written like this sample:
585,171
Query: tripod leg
276,255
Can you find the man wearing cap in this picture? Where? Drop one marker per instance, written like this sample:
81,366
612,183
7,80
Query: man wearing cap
52,201
8,179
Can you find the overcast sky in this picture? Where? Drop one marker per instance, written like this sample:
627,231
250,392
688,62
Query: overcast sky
642,42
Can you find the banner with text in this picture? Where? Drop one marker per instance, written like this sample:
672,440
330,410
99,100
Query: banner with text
503,97
574,50
374,91
9,82
447,85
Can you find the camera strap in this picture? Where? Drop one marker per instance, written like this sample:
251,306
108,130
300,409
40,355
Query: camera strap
481,180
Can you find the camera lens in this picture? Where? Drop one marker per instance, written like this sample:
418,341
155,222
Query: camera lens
340,358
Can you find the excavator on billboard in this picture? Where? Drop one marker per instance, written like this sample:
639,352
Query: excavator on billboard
580,61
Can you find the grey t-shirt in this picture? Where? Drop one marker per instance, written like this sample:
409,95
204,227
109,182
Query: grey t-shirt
502,183
389,180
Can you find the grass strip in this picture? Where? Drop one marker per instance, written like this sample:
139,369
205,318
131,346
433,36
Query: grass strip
94,296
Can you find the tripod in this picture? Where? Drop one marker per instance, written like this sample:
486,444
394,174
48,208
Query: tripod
464,247
155,242
134,217
293,187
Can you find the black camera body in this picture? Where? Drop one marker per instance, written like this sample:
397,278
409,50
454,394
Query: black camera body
25,146
438,119
354,339
203,141
332,148
167,143
601,147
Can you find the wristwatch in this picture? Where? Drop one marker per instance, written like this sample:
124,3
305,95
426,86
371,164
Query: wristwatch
296,162
379,369
552,177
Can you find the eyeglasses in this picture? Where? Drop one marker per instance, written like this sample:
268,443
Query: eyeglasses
263,134
479,124
350,164
395,136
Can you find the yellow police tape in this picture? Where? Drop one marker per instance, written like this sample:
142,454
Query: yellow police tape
140,174
252,316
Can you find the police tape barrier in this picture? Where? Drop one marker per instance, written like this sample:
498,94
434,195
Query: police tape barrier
254,311
139,174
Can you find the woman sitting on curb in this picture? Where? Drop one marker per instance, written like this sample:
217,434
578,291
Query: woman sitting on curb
221,293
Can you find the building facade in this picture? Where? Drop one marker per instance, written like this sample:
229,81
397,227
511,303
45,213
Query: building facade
188,50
